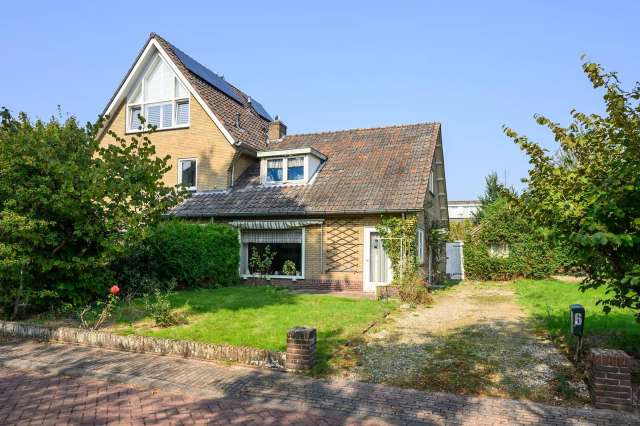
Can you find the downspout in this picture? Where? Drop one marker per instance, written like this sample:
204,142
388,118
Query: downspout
322,247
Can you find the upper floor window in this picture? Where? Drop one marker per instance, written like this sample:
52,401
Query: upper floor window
160,98
295,168
431,182
274,170
298,165
287,169
187,173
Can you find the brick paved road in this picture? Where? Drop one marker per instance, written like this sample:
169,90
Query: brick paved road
189,391
35,398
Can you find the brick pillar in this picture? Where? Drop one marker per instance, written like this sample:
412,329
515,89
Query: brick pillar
611,379
301,349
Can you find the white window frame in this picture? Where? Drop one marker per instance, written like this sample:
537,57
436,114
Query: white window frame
143,104
432,185
283,277
285,170
189,188
420,246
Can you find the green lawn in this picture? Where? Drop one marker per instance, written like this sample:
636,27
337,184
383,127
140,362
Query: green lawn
548,302
258,317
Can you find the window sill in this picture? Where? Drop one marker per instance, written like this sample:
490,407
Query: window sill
133,132
278,277
284,183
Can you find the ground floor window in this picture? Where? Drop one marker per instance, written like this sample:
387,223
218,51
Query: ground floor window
286,247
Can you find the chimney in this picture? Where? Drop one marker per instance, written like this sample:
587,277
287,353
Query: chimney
277,129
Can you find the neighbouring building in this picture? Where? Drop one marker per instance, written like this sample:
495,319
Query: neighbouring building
315,198
460,211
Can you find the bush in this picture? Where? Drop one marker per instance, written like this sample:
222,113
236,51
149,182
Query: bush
159,308
530,255
189,254
67,208
412,289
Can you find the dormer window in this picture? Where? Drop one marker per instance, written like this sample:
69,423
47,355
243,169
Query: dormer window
289,166
160,98
295,168
274,170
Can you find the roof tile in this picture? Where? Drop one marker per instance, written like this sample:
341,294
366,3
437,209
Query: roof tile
367,170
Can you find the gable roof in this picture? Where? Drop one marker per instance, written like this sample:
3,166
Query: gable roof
223,100
374,170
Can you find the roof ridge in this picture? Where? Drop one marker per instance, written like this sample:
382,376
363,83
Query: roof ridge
355,129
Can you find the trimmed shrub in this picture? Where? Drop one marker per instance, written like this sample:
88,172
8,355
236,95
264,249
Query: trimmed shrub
189,254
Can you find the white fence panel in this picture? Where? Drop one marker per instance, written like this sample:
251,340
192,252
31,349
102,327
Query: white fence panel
455,260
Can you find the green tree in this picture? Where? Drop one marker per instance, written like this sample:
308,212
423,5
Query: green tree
492,192
68,206
589,195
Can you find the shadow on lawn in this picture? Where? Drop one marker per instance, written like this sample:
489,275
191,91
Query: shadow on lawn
611,330
210,300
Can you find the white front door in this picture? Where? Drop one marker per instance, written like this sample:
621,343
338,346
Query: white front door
377,266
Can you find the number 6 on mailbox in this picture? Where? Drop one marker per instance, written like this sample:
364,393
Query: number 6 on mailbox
577,320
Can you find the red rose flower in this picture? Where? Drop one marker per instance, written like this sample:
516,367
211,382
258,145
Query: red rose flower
115,290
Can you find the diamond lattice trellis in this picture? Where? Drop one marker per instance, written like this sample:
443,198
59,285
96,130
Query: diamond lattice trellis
342,246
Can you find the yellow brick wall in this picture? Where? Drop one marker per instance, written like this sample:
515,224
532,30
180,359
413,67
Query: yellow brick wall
201,140
317,260
242,162
435,206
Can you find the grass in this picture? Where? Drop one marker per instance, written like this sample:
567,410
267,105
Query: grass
258,317
548,303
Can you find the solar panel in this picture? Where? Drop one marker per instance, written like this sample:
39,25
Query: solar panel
207,75
260,110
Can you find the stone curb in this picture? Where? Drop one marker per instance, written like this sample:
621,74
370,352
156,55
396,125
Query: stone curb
145,344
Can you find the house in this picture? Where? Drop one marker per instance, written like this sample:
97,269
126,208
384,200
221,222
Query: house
459,211
314,199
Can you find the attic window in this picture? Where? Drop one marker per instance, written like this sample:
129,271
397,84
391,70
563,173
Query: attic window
274,170
160,98
287,169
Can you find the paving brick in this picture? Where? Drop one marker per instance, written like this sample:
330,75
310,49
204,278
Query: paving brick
57,384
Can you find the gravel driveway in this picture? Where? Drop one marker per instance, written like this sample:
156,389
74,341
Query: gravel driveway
474,340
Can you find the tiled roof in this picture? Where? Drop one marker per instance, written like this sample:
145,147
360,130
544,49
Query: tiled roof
375,170
253,127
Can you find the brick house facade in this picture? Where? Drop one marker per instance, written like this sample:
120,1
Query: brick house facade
314,198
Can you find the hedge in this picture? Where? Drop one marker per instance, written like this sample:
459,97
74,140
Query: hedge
189,254
531,255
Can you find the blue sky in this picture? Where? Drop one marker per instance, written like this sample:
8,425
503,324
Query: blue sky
473,66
